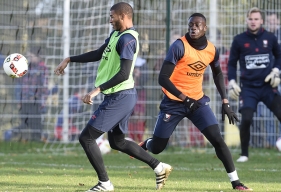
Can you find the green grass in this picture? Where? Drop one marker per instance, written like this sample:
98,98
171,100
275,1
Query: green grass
193,171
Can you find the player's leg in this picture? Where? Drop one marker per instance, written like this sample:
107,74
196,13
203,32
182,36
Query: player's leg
275,106
109,114
118,142
212,133
246,121
171,113
87,140
272,99
164,127
205,120
248,102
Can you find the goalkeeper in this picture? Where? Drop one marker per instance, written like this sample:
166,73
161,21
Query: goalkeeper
259,77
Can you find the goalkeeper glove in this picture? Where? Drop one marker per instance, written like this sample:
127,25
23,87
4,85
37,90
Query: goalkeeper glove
273,77
230,114
191,104
234,89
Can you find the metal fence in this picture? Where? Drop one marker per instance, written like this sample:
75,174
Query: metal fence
58,28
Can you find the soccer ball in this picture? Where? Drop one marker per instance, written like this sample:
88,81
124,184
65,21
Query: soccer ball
278,143
15,65
104,146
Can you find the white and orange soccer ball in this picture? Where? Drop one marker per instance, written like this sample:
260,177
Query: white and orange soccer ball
15,65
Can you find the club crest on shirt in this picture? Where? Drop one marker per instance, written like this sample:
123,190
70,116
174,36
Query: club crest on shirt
265,43
166,117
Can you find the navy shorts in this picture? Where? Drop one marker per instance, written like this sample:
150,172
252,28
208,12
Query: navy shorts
172,112
250,96
115,109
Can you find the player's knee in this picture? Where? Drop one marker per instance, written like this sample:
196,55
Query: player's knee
156,149
113,145
246,120
89,134
157,144
276,107
117,143
247,116
83,138
218,142
213,134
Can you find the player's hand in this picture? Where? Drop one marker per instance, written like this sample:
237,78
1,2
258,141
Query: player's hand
233,89
273,78
191,104
89,96
230,114
60,68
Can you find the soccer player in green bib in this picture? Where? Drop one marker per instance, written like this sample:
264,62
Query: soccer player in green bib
115,80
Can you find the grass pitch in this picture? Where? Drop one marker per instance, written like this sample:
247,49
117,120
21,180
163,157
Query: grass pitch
194,171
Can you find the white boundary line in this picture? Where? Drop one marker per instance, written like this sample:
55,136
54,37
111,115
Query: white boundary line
132,167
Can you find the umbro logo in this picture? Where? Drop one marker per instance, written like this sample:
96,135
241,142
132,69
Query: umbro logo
197,66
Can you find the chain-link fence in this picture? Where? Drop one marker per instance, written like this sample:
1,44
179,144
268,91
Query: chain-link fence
53,29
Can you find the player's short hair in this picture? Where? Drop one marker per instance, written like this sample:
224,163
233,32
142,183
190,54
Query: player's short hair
198,15
123,8
254,10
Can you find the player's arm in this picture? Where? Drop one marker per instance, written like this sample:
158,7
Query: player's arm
219,82
83,58
115,80
164,79
218,77
232,61
277,54
126,48
89,56
122,75
234,89
175,53
274,76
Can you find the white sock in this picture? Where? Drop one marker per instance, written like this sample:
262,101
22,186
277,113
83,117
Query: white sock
233,176
159,168
105,182
147,142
